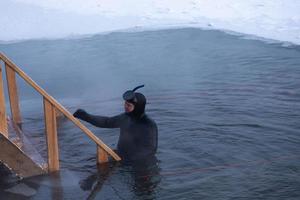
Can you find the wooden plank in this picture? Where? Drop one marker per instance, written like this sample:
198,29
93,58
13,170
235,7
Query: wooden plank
3,122
51,134
17,160
60,107
13,94
102,156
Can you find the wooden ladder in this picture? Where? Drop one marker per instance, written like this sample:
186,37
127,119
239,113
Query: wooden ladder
51,109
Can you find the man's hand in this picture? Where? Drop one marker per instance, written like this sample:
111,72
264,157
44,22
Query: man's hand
80,114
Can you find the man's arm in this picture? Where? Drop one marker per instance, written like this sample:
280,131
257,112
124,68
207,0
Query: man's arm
100,121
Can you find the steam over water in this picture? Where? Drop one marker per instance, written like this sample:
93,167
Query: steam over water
228,113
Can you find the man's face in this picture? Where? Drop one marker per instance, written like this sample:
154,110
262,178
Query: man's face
129,107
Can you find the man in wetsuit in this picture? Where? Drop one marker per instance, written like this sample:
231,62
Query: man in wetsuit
138,132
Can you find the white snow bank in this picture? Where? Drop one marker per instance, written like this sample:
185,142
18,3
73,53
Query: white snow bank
27,19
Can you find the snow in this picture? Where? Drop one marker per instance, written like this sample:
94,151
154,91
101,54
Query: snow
30,19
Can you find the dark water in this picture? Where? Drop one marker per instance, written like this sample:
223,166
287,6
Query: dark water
228,112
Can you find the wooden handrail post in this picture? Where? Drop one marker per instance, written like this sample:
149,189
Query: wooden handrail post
13,94
3,122
102,156
51,134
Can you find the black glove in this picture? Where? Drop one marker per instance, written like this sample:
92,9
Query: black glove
80,114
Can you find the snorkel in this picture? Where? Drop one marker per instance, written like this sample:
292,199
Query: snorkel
130,95
137,99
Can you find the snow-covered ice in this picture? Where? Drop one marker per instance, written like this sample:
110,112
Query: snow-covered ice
29,19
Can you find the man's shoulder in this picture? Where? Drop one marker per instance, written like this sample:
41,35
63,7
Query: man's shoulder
150,120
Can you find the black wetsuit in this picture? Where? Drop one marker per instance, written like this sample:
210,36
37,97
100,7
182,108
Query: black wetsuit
138,133
138,136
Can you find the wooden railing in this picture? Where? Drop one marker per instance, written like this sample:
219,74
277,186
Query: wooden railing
51,108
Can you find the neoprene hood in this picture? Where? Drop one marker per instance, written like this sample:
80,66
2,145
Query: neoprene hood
130,95
136,98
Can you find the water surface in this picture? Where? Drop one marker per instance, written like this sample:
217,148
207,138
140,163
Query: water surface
227,109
